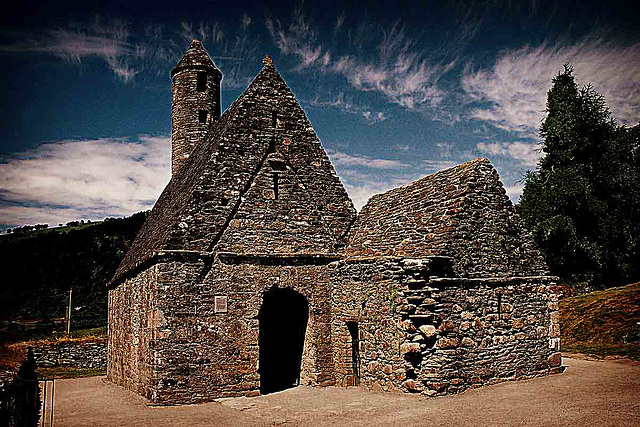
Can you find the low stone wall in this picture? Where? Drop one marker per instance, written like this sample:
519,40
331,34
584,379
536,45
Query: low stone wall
76,354
6,376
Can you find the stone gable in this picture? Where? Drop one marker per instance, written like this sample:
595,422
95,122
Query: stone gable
277,216
200,201
462,212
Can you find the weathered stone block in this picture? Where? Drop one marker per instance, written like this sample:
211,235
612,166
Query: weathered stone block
429,331
413,386
555,360
409,348
446,343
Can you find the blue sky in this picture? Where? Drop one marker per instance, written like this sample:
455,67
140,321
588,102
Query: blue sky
395,90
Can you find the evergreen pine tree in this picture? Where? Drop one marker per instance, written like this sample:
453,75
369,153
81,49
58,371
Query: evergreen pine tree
582,202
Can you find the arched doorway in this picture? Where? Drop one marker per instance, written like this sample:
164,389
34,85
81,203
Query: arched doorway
283,321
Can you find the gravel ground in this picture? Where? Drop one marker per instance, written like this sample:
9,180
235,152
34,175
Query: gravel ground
589,393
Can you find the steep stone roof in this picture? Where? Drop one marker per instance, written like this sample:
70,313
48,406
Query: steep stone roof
462,212
219,201
196,57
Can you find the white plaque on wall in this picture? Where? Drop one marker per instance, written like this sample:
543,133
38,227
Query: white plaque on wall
220,304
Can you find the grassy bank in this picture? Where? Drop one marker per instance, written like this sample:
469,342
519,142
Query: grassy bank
595,323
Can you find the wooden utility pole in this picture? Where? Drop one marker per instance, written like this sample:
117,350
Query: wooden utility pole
69,314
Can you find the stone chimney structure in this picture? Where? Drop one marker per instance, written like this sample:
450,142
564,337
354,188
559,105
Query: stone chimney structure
195,102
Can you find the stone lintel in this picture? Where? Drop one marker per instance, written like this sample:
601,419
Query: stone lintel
276,259
370,259
490,281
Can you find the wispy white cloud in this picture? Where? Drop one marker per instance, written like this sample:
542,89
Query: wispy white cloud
109,41
431,166
346,104
89,179
514,89
206,33
298,39
403,148
343,159
154,51
514,192
374,116
399,70
526,153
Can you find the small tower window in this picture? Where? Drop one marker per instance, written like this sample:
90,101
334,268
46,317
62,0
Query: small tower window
499,306
201,82
275,185
274,119
202,116
272,146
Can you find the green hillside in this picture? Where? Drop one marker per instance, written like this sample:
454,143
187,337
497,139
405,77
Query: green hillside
40,267
600,322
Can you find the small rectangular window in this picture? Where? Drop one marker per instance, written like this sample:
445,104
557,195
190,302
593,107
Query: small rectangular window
201,82
275,185
202,116
274,119
272,146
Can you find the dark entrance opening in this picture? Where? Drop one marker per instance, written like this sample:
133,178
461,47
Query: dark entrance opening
355,352
283,321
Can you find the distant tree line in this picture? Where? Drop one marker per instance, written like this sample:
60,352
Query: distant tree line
29,228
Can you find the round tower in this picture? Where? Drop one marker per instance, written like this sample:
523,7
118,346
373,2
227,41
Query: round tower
195,102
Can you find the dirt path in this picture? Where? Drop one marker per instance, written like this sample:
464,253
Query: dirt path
588,393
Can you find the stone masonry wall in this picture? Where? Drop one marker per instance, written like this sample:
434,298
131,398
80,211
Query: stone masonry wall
440,335
368,290
201,354
462,212
131,330
77,354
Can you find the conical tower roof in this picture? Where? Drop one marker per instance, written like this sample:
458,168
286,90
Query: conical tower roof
196,57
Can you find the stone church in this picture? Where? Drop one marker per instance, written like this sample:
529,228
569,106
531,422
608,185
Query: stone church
253,272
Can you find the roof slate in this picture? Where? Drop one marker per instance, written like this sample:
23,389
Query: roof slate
196,57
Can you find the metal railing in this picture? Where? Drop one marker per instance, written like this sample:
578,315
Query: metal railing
48,385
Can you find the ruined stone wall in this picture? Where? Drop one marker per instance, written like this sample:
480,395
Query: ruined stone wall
201,354
471,332
131,330
439,335
77,354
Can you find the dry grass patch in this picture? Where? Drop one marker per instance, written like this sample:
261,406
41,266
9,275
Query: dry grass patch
595,323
